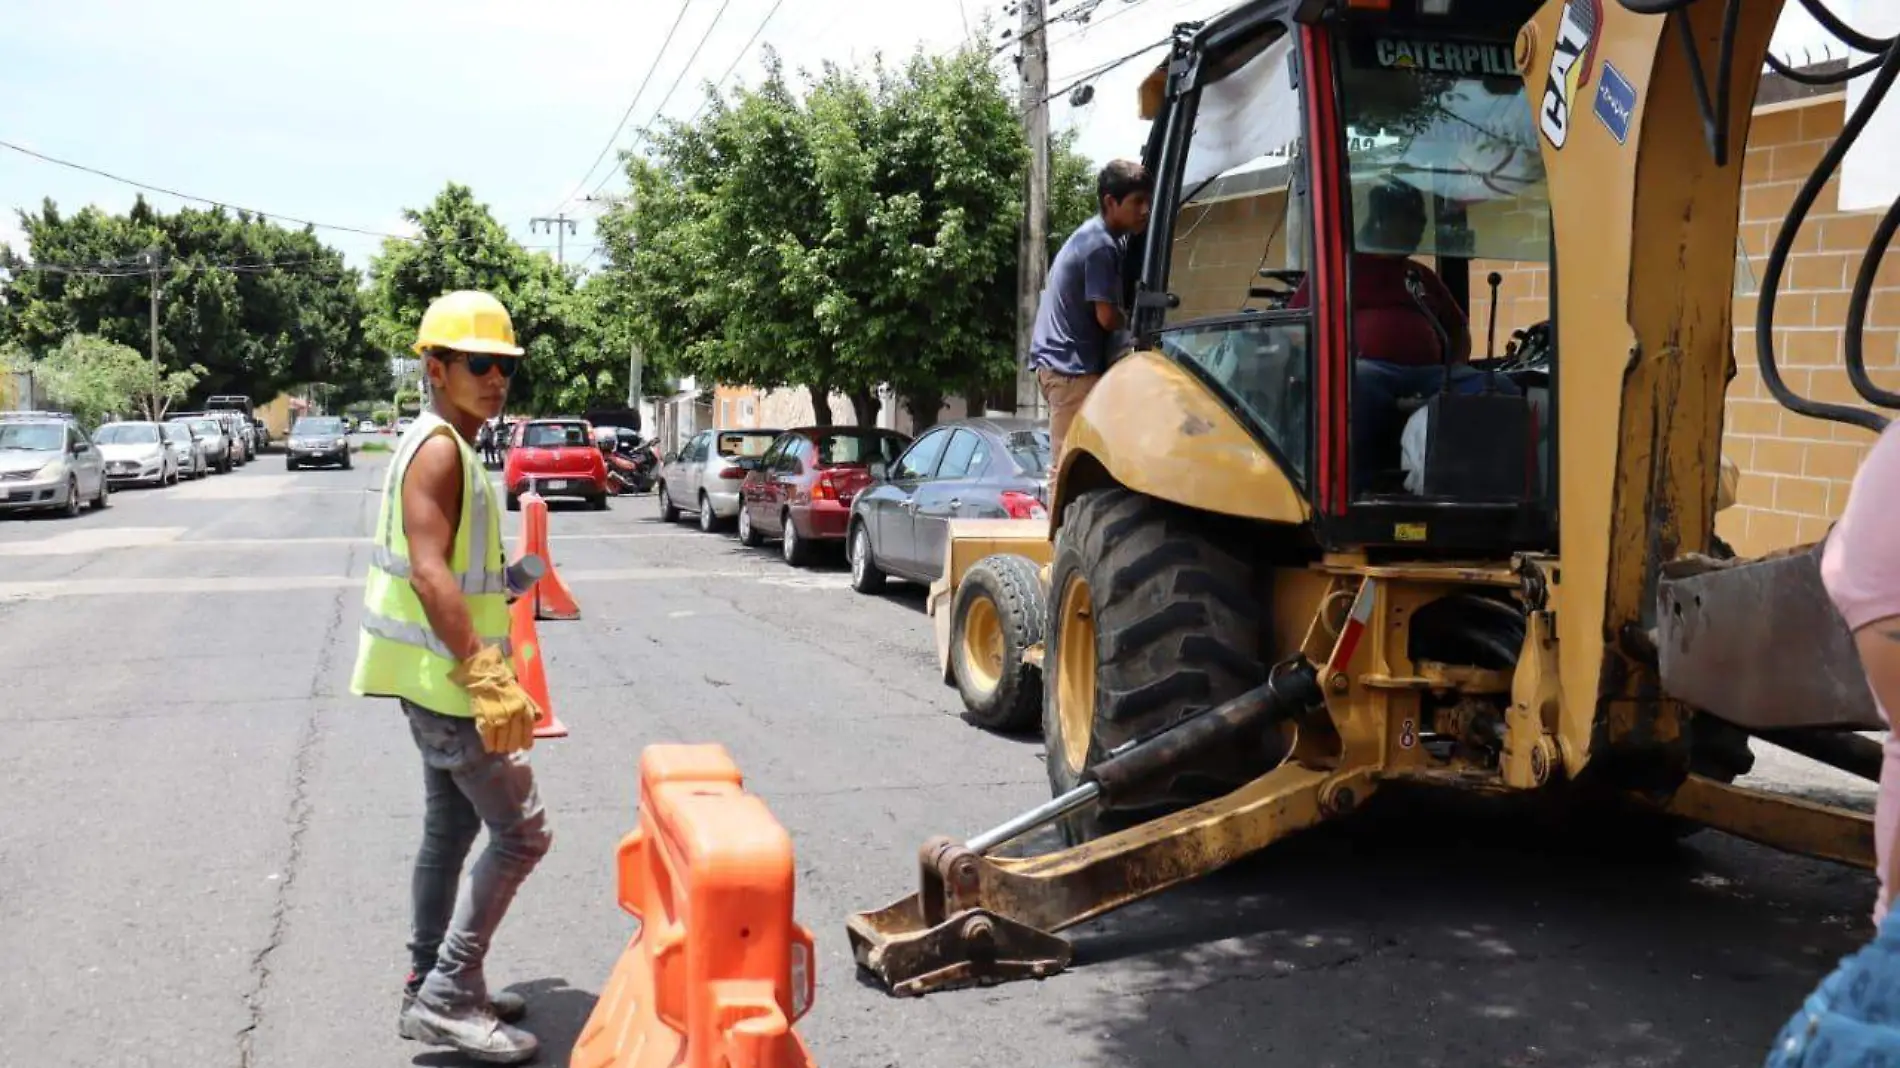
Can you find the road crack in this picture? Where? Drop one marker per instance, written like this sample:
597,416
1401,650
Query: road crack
297,820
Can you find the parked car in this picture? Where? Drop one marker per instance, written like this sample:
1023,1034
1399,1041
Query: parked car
243,448
403,424
971,469
800,490
136,452
704,476
559,457
215,438
367,426
187,449
317,439
46,462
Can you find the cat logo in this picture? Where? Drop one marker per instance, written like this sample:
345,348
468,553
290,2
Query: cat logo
1571,63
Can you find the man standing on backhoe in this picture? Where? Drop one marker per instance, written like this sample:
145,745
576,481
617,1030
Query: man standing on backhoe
435,630
1080,316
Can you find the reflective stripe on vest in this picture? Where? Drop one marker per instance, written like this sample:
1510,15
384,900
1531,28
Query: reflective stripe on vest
472,581
410,634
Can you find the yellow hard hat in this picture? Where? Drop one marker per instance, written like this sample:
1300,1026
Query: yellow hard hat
467,320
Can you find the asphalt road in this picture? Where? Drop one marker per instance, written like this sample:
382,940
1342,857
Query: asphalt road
205,856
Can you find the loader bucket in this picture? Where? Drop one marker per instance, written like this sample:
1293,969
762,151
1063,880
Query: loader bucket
1759,644
913,957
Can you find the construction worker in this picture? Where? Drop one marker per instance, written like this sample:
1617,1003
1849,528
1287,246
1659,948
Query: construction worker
435,631
1080,325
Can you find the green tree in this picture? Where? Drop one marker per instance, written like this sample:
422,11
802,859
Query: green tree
94,378
256,307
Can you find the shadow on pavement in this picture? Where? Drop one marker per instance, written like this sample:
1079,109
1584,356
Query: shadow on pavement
1407,938
556,1014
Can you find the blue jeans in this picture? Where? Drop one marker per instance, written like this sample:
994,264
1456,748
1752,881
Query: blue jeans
1377,422
1852,1020
466,787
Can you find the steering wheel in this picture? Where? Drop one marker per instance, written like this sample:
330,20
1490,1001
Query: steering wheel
1284,284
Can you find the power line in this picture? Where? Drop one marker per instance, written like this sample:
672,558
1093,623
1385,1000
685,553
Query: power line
614,137
736,60
267,216
1128,5
1079,12
1106,67
684,70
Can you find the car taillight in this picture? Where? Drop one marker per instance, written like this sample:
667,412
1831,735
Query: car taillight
1023,505
733,474
824,489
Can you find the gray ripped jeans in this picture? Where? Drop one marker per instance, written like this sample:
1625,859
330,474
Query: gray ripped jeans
467,787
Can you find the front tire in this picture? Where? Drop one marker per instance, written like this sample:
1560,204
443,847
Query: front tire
749,535
998,614
668,513
104,499
71,508
1153,620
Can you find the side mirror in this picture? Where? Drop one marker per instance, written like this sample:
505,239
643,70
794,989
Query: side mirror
672,458
77,448
880,470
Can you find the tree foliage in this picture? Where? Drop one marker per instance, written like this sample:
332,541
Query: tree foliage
460,245
96,379
255,307
861,234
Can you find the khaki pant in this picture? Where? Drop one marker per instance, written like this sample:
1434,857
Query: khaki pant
1065,394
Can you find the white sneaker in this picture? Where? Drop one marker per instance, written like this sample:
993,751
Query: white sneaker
475,1033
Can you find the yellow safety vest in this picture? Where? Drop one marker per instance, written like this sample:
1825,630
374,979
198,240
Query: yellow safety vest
399,654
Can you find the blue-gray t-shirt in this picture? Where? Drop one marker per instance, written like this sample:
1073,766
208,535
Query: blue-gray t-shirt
1068,340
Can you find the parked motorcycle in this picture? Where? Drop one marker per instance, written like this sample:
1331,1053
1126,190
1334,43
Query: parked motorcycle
632,465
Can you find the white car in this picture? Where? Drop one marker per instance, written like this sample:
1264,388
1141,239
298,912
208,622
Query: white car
367,426
136,452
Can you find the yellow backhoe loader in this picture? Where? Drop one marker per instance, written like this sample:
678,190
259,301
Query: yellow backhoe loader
1278,577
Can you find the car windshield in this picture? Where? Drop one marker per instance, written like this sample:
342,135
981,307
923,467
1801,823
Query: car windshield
859,448
31,437
208,426
745,442
127,434
554,435
313,428
1446,124
1030,450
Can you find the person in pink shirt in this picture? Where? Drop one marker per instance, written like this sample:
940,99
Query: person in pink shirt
1849,1021
1861,566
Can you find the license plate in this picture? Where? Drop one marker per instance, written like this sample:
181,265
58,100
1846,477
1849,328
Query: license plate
557,484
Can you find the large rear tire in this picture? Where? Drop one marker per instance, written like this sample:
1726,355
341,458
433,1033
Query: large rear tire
1152,618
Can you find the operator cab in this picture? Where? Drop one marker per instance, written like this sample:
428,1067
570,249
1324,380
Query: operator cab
1362,273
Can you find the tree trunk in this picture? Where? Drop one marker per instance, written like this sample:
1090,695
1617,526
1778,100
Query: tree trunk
863,406
923,411
820,403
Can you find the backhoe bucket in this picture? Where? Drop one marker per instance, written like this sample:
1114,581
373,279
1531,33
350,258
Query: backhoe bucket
1758,643
976,947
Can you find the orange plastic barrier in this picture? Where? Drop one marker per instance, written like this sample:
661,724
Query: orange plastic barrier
552,598
529,670
719,971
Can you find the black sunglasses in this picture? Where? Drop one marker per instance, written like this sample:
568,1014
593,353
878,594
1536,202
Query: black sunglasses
480,363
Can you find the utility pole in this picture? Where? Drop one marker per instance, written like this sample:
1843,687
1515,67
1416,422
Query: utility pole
561,226
1033,251
151,260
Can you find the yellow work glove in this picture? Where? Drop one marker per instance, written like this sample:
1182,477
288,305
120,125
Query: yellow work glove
504,713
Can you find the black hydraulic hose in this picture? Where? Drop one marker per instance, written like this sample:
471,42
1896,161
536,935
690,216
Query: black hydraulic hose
1857,312
1784,245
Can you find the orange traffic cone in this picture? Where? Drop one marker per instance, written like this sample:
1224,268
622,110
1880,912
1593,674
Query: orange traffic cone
529,670
552,598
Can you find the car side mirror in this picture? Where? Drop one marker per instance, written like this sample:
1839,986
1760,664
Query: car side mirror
77,448
672,457
880,470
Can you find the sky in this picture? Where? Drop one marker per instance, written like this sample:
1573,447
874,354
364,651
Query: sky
348,111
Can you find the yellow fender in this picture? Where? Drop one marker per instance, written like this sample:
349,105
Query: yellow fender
1151,426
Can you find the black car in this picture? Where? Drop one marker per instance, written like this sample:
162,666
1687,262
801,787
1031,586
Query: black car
991,468
318,439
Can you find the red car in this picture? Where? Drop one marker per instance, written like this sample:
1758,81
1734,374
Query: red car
800,489
561,459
